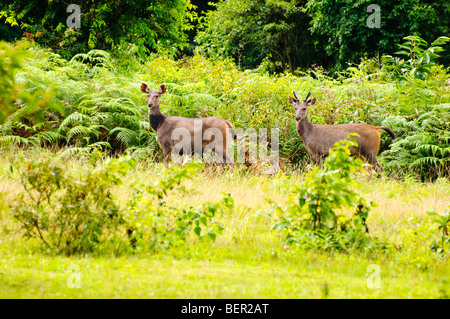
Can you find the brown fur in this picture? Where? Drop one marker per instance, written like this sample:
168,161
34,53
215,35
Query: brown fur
319,139
165,126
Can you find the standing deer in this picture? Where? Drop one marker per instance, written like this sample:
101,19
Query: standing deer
189,135
318,139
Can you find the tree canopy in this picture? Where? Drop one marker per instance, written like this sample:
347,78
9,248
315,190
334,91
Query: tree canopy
253,30
104,24
278,35
344,24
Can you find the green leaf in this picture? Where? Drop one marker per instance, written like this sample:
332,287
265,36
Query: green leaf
212,236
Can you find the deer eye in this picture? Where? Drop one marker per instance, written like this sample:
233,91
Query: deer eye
304,109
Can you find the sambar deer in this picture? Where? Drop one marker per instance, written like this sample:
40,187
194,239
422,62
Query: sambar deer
319,139
198,134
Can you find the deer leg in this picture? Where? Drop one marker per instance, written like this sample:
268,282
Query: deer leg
372,159
166,153
227,160
317,159
377,166
221,157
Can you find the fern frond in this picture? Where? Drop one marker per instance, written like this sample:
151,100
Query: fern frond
429,148
78,131
52,137
74,118
125,136
13,139
427,161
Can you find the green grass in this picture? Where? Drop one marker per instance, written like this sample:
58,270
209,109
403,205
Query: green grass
35,276
250,259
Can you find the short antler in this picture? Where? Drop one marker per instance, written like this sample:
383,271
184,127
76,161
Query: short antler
309,93
295,94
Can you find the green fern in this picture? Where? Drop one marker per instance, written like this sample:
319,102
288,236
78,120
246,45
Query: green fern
49,137
94,58
424,149
125,136
428,161
13,139
84,151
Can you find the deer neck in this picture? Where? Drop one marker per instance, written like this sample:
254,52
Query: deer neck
155,117
304,127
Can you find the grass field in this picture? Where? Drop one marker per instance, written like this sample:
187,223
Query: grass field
249,259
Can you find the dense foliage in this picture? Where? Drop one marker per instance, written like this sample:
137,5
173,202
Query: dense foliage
14,101
344,24
69,213
250,32
103,24
99,105
311,218
276,35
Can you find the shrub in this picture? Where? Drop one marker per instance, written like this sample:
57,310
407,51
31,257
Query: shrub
443,222
155,225
422,146
311,218
420,58
71,214
104,108
18,105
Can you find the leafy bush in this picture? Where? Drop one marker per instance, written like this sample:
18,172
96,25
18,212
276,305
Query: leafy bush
443,222
420,58
259,31
155,225
71,214
311,218
423,145
15,102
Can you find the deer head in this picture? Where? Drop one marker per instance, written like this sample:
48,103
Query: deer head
301,107
153,97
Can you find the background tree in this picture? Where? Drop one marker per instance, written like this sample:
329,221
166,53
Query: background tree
253,30
104,24
344,24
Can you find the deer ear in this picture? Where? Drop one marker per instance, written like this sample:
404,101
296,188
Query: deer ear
313,101
292,101
144,88
162,90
